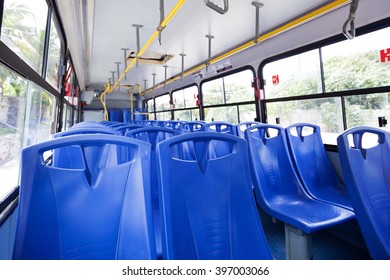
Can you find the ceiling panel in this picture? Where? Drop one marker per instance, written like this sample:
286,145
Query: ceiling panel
113,29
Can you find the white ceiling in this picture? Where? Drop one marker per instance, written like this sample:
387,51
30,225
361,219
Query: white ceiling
98,29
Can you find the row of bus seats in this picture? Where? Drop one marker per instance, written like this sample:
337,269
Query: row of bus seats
202,204
126,115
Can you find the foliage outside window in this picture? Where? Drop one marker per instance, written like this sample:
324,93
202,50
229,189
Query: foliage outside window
13,99
150,108
41,114
26,117
162,102
23,30
186,98
187,115
232,90
229,89
54,57
347,66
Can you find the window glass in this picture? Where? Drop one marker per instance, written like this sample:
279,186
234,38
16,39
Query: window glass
324,112
54,56
163,116
64,117
75,116
69,119
212,92
27,116
149,105
187,115
13,90
357,63
349,65
162,102
366,109
247,113
185,98
227,114
233,88
238,87
23,29
40,115
293,76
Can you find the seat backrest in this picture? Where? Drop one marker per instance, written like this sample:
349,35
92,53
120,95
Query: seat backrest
127,127
192,126
365,161
222,127
241,127
208,207
312,164
84,213
70,156
271,166
153,136
173,124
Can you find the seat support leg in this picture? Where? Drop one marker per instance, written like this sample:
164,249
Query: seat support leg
298,244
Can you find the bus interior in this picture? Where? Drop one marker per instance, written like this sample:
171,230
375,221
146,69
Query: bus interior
245,97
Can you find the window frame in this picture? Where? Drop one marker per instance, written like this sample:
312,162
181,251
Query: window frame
237,104
321,95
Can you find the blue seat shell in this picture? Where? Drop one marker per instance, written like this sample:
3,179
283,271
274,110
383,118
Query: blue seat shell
208,207
154,135
222,127
242,126
80,213
367,177
278,189
313,167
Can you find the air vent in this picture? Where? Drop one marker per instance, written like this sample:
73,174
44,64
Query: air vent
151,57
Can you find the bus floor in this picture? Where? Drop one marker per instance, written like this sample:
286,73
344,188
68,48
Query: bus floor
343,242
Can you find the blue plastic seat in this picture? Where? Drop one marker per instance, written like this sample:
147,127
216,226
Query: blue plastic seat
70,156
115,114
313,167
173,124
222,127
365,164
280,193
154,135
192,126
241,127
208,207
86,130
87,212
127,127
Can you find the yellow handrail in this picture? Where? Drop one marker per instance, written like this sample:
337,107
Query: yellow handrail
262,38
159,29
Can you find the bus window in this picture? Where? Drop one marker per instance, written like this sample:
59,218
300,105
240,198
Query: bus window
356,64
226,113
293,76
324,112
184,99
40,114
150,107
54,57
13,106
162,104
297,89
23,30
229,89
234,90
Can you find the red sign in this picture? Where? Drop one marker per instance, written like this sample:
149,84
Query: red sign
275,80
385,55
